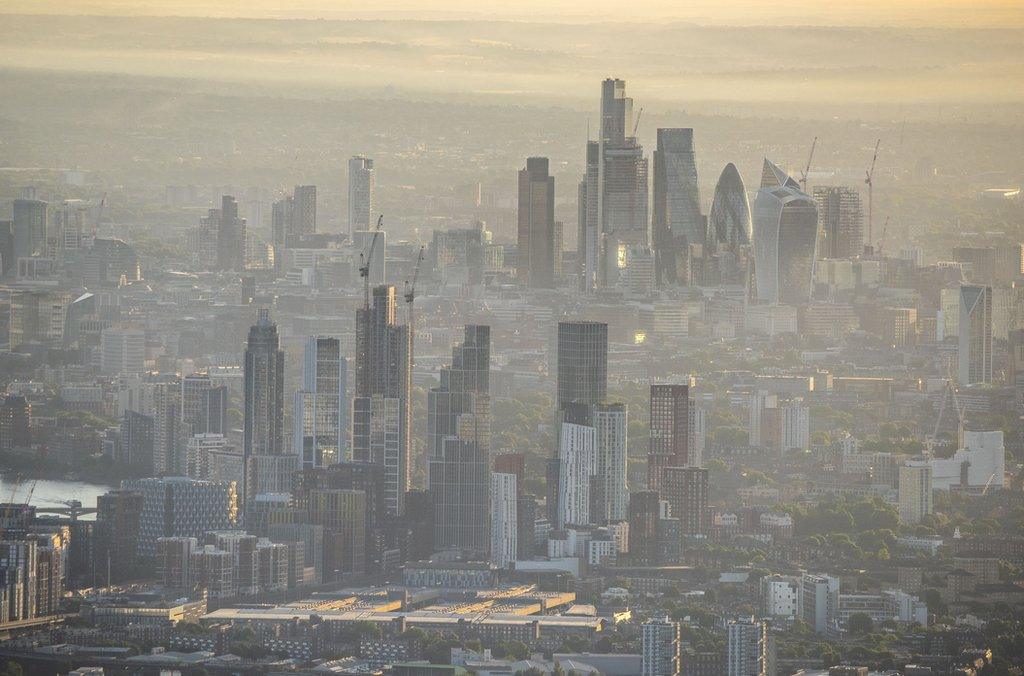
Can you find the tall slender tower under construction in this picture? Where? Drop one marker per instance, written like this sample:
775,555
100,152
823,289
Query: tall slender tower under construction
380,407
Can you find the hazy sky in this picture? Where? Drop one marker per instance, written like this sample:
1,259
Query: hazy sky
862,12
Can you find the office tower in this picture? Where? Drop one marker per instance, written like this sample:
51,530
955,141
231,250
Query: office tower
380,409
582,363
342,513
282,236
974,358
230,235
122,350
915,491
29,224
729,222
504,523
15,423
264,393
818,601
116,534
785,239
727,253
200,449
588,242
670,431
362,240
576,468
362,187
181,507
676,218
368,478
622,191
840,220
610,504
686,489
459,441
535,266
204,406
137,442
660,639
303,211
747,648
320,417
644,510
526,524
38,317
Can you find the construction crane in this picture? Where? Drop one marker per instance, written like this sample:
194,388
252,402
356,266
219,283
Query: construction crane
366,259
885,230
929,442
410,289
99,213
636,125
869,177
803,174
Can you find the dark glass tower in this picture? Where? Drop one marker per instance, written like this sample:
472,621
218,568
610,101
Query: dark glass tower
458,424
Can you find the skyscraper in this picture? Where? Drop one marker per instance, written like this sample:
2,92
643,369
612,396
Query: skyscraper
747,648
618,199
230,235
204,406
582,362
840,220
729,232
321,412
281,227
303,211
974,358
612,500
577,467
504,522
677,221
380,408
785,239
362,189
177,506
670,431
660,647
122,350
29,225
535,266
459,442
588,242
264,408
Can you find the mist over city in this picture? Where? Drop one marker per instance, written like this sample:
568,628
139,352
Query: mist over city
621,339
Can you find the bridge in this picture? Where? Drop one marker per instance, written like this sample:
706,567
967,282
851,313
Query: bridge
74,509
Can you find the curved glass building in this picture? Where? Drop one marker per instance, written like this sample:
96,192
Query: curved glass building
729,218
785,238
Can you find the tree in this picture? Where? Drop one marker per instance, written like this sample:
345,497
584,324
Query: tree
860,624
13,669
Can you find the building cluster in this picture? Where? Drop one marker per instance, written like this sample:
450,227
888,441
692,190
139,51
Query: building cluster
691,445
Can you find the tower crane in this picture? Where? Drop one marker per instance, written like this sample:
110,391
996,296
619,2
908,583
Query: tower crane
636,125
869,177
803,174
366,259
410,289
885,230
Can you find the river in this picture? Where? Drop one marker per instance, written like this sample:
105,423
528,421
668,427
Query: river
51,493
